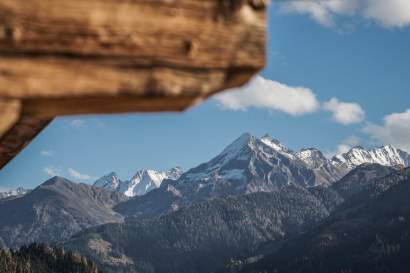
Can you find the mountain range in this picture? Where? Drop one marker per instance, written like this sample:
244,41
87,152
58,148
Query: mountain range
251,164
236,212
252,233
141,183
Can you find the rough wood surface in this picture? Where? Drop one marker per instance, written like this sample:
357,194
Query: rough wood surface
9,114
111,56
19,135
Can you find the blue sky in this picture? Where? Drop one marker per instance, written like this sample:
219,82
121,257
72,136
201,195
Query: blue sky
336,76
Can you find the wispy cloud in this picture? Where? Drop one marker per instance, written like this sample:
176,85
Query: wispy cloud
86,122
395,130
77,175
52,171
78,123
345,113
387,13
47,153
271,95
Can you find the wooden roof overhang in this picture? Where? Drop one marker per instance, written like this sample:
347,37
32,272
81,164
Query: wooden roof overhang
114,56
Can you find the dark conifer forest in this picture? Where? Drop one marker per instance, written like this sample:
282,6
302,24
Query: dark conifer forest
41,258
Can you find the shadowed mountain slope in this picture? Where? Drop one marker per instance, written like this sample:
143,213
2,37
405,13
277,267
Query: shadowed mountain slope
54,211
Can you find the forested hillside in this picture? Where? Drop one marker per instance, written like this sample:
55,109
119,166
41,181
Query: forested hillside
40,258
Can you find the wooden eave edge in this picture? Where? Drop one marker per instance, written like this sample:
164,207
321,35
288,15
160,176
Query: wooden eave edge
110,56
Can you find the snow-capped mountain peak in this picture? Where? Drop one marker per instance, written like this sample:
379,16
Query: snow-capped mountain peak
386,155
236,147
277,146
312,157
141,183
108,182
249,164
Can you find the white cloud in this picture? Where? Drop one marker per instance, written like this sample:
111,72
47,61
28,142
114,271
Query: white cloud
395,130
267,94
345,113
47,153
388,13
77,123
321,11
77,175
51,171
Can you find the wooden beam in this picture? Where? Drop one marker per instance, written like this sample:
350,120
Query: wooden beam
19,136
114,56
9,114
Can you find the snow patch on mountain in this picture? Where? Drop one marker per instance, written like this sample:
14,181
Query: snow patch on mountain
325,172
143,181
277,146
312,157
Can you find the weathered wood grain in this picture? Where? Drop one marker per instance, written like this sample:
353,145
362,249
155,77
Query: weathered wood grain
114,56
9,114
24,129
201,33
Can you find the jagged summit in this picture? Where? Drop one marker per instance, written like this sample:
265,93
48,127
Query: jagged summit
109,181
239,144
247,165
313,157
141,183
257,164
276,145
387,155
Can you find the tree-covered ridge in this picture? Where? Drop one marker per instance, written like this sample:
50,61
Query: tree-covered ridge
201,238
40,258
369,233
